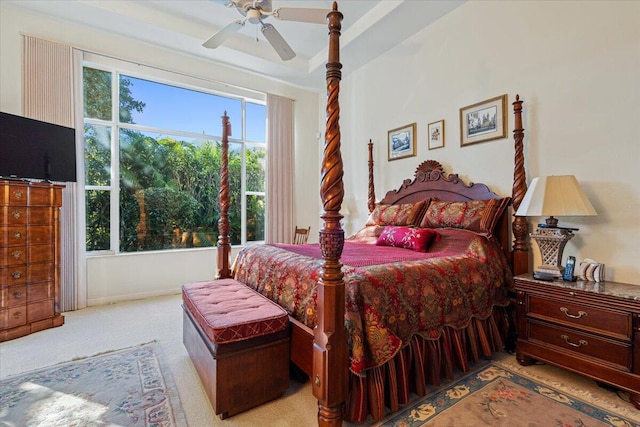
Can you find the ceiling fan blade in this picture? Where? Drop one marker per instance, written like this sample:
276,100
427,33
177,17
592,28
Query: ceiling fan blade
279,44
227,3
314,16
222,35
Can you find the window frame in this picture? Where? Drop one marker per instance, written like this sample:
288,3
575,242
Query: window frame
118,68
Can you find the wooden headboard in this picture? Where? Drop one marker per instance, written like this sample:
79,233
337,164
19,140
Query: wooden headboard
431,181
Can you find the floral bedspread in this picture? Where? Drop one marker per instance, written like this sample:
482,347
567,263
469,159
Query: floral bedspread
391,293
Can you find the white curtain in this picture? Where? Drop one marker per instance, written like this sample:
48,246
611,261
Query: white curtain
51,72
280,164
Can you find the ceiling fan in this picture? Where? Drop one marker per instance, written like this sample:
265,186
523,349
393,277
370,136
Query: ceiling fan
255,12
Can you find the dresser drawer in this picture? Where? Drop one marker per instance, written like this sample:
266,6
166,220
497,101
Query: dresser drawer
40,272
12,236
613,323
13,255
40,310
13,317
40,253
39,234
14,194
39,291
45,196
12,296
612,352
40,215
13,215
14,275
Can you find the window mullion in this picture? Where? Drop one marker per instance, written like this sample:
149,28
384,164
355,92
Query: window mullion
115,164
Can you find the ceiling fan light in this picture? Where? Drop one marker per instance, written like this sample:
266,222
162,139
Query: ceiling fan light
254,16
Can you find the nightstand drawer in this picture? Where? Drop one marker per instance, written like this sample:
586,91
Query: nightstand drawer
609,351
612,323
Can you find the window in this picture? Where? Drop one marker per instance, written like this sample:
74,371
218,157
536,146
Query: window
152,163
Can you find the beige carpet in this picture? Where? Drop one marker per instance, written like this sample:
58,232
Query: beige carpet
111,327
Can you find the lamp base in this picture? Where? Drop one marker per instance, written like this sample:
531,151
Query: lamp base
551,242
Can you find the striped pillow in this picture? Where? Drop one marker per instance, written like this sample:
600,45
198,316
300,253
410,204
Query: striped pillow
406,214
479,216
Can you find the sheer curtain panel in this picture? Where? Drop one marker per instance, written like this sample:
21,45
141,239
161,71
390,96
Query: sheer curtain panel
279,169
50,75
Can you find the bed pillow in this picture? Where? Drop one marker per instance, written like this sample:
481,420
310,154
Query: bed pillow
479,216
416,239
403,214
367,234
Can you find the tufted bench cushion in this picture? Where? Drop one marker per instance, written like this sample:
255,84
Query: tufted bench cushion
229,311
238,341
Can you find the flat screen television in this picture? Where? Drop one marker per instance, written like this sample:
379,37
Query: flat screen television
36,150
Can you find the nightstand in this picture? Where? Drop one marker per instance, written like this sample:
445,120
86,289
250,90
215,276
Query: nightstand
592,328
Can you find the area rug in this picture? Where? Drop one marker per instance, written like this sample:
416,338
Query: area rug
497,396
129,387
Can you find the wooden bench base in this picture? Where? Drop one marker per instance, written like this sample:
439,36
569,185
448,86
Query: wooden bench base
239,375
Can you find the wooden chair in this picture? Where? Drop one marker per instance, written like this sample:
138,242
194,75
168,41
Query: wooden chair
301,235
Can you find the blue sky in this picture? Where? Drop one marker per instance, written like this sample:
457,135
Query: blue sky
171,107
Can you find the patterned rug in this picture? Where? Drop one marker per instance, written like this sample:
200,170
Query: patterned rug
121,388
497,396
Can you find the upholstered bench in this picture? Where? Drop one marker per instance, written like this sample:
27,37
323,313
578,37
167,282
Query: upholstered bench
238,341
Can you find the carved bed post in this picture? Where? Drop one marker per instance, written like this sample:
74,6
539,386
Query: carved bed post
372,192
330,350
224,247
520,226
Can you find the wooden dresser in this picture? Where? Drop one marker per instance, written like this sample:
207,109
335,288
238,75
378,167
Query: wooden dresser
592,328
29,257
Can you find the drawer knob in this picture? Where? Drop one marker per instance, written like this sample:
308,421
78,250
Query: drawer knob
17,234
17,314
17,294
17,194
572,344
580,314
16,254
16,275
17,214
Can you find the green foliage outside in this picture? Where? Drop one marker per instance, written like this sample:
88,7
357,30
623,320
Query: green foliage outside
168,188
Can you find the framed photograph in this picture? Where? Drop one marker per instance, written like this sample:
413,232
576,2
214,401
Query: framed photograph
483,121
402,142
435,134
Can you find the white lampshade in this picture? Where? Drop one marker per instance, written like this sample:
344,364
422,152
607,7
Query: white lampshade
555,196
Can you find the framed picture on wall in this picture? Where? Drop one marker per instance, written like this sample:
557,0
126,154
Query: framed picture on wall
483,121
435,134
401,142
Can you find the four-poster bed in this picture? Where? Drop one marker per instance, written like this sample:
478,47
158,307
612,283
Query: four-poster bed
320,342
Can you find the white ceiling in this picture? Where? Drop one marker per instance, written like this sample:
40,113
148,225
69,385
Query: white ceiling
369,28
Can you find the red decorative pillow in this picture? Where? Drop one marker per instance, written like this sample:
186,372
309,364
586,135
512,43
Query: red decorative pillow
480,216
417,239
403,214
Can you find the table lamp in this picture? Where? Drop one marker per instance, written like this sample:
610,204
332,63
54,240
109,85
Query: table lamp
554,196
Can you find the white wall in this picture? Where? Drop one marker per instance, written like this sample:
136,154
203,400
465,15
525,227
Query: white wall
576,65
112,278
